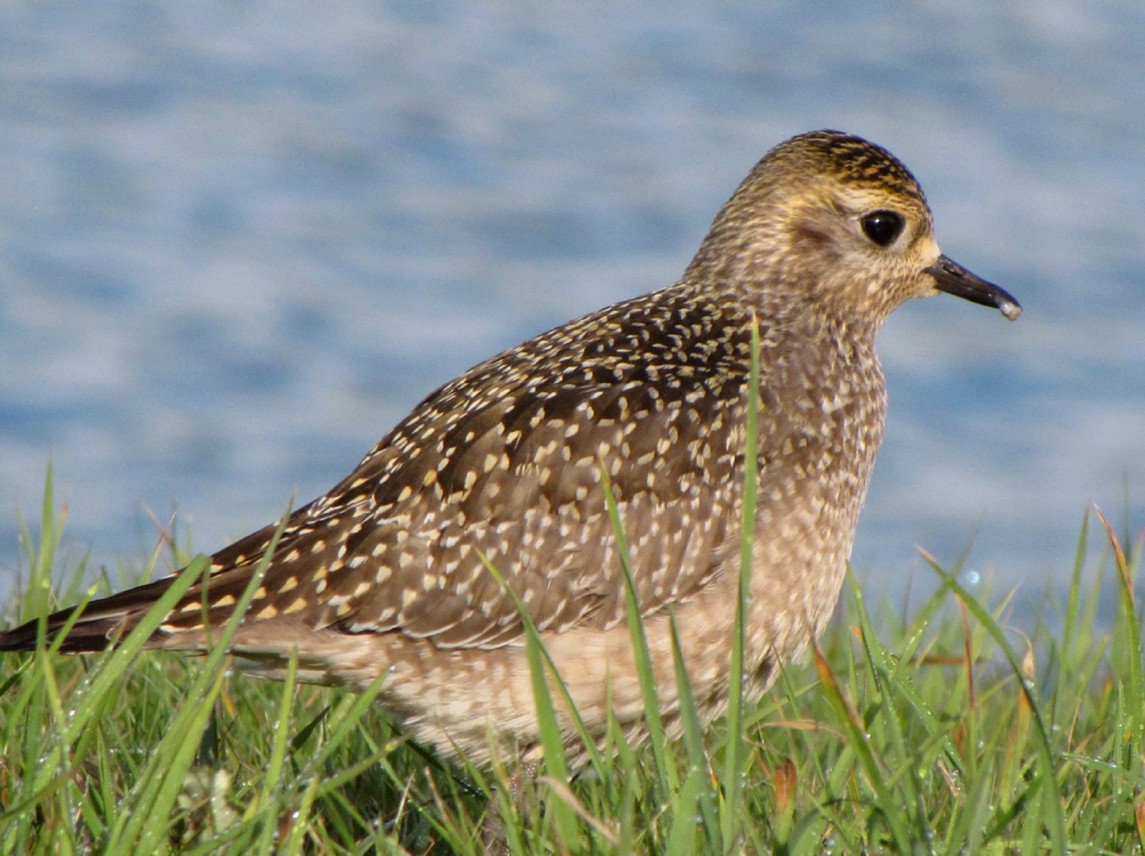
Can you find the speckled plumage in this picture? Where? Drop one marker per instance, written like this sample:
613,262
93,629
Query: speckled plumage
384,573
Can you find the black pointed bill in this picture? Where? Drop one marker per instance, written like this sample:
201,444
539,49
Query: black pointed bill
953,278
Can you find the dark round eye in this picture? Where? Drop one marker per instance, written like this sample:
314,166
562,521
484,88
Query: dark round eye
882,226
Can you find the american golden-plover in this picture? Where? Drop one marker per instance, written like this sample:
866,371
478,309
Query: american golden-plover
386,572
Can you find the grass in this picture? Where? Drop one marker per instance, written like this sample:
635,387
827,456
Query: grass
939,731
942,731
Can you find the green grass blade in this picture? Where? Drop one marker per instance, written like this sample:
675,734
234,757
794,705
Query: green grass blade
268,801
859,743
891,685
552,742
682,835
137,831
693,729
1052,799
666,770
1129,664
735,752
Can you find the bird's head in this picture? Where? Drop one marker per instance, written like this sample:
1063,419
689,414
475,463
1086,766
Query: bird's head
829,220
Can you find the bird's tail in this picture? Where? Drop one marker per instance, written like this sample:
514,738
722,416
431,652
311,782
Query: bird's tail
98,624
203,594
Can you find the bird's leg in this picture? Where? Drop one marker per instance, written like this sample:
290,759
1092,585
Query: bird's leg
518,779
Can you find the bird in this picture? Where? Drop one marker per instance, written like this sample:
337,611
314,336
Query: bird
386,577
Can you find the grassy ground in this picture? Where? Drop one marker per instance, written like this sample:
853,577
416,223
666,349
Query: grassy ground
944,731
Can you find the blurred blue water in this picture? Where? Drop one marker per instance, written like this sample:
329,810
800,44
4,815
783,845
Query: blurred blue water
239,240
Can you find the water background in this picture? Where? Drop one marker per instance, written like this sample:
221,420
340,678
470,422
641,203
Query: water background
238,241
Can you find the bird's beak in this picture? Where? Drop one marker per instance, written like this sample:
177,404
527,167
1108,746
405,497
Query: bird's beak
953,278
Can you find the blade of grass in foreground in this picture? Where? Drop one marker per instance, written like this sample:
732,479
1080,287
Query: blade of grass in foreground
38,597
698,762
665,769
735,751
552,742
859,742
136,829
74,731
1131,663
1050,804
267,799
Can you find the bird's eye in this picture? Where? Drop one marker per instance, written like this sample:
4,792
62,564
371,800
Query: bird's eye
882,226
